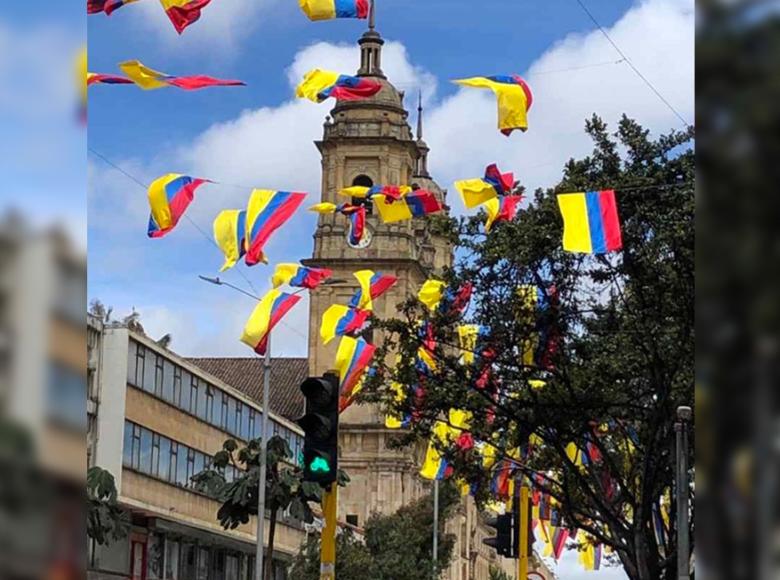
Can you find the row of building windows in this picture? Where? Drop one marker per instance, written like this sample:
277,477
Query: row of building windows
158,456
179,559
160,377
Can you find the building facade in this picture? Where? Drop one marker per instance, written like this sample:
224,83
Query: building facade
156,420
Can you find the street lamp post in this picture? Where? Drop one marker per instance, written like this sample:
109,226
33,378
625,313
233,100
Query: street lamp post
263,465
259,553
684,415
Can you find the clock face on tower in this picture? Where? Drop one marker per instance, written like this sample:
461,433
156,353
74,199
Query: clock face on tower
368,237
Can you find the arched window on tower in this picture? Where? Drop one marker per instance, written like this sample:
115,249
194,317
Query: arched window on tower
363,181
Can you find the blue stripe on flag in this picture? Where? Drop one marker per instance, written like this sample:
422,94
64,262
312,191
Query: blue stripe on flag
596,224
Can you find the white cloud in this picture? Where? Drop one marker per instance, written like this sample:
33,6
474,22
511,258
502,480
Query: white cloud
658,37
222,25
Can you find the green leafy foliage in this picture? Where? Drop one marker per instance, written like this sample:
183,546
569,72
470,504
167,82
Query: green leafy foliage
106,521
285,488
622,326
398,546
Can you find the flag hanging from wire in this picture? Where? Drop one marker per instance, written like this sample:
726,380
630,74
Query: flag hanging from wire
266,315
590,222
299,276
267,211
514,99
372,286
230,235
332,9
494,184
319,85
182,13
340,320
352,360
149,79
169,197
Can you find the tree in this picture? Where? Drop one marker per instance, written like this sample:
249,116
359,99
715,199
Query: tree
596,373
353,561
233,480
106,521
398,546
498,574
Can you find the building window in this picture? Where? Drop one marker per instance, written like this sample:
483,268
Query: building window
352,520
174,462
223,420
127,446
150,370
158,375
167,381
136,452
209,404
176,385
240,426
193,395
190,466
164,467
216,407
154,470
252,421
231,425
146,451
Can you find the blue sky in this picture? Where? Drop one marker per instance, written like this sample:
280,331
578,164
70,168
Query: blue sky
259,136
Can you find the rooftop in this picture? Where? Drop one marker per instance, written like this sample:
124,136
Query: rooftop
246,375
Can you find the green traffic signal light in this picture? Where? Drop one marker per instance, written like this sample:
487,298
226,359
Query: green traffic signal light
319,465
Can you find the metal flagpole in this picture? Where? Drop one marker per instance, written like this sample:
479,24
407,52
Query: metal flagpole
683,551
435,527
263,466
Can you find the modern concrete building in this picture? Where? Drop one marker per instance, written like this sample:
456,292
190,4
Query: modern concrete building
156,419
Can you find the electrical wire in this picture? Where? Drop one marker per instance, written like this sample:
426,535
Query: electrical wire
631,64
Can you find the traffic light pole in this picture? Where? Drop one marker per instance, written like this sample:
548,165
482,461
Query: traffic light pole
522,561
435,527
330,502
263,465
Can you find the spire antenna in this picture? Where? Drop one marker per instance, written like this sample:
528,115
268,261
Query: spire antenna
419,117
372,15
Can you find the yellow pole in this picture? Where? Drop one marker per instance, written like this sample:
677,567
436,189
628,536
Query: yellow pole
330,502
522,562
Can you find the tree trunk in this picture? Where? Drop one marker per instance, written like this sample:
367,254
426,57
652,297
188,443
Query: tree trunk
269,558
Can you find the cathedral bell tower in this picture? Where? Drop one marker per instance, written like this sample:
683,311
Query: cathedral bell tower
369,142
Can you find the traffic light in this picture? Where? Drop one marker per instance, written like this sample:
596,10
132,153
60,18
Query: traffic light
502,542
320,426
517,522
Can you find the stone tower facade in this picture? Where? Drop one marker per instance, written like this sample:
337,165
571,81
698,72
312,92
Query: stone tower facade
370,142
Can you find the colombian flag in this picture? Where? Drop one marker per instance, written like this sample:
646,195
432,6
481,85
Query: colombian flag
267,314
435,466
415,204
169,197
330,9
97,78
149,79
107,6
318,85
230,235
475,192
299,276
501,209
393,421
590,222
431,293
352,360
340,320
392,192
267,212
357,220
514,99
372,285
183,12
